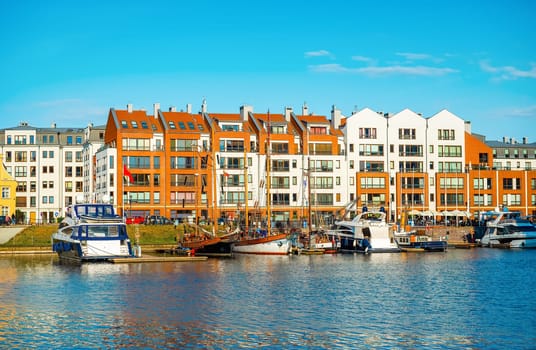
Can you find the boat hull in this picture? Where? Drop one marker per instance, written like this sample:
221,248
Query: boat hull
90,251
271,245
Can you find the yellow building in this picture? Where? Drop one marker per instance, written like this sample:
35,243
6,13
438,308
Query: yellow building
9,186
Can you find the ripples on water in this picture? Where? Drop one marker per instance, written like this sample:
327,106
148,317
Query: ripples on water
480,298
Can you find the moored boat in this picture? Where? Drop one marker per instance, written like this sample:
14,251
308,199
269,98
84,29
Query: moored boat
92,232
508,229
368,232
263,244
413,242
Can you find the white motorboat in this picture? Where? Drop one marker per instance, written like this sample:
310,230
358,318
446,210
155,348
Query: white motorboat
367,232
508,228
92,232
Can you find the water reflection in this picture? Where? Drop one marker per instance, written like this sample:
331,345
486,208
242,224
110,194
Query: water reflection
458,299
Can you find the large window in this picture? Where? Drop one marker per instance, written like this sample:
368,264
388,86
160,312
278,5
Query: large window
183,145
322,182
410,150
231,146
449,151
136,144
370,150
372,182
139,162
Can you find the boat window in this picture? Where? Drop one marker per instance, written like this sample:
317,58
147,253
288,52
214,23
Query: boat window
102,231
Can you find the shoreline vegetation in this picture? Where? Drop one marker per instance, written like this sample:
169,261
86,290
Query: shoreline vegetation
38,237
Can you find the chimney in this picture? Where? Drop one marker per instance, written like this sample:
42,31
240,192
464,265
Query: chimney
156,108
204,106
335,117
53,125
504,139
288,112
305,109
129,108
244,112
189,108
524,140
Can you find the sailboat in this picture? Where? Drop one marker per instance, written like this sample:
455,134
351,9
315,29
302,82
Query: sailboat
263,242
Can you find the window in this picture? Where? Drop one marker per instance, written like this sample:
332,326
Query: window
407,134
69,140
134,124
372,182
446,134
20,156
318,130
351,147
69,156
5,192
367,133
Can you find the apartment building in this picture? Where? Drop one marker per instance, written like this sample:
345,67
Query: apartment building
214,166
48,166
8,186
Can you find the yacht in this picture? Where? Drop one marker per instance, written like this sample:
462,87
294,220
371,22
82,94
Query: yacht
509,229
368,232
91,232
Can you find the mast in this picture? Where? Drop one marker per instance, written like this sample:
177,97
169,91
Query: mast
268,184
309,198
213,194
246,221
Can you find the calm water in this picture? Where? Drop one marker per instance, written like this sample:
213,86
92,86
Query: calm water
479,298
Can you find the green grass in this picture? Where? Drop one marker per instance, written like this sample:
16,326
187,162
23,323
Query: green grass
39,235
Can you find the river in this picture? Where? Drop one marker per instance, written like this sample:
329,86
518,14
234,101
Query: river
464,298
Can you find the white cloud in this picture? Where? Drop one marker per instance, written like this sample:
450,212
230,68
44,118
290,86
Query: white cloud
414,56
362,59
385,70
508,72
319,53
529,111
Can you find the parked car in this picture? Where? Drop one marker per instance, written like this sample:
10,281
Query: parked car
135,220
157,220
4,220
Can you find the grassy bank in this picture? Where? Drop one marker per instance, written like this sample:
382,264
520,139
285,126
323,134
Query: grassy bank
39,235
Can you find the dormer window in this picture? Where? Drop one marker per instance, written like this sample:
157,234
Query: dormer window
318,130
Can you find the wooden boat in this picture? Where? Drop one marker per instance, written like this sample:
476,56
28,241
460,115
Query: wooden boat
413,242
278,244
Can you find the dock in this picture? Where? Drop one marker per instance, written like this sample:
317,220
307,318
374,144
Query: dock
154,259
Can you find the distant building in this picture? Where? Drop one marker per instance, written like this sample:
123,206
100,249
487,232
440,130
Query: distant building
50,166
8,186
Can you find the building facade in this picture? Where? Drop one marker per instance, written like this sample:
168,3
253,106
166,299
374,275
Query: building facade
302,168
48,166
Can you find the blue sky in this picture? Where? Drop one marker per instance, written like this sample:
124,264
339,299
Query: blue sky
68,62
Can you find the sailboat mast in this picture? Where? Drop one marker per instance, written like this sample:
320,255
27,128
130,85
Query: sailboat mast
268,182
246,221
213,194
309,196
